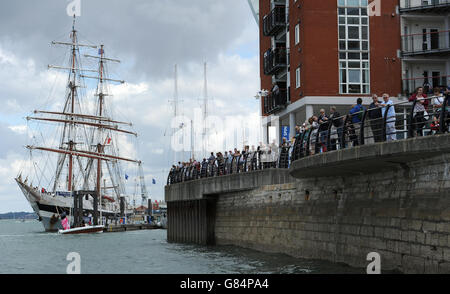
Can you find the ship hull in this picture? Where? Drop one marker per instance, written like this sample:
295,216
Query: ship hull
49,207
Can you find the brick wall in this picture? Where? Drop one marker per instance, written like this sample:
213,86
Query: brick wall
404,215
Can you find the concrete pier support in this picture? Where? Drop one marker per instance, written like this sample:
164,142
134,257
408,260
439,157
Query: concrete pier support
122,206
191,222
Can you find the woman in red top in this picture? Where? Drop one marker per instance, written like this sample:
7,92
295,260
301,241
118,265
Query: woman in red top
419,94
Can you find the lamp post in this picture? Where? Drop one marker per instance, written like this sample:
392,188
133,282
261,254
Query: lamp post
260,95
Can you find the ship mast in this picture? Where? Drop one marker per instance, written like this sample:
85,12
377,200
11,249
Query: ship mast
69,109
100,148
73,88
71,120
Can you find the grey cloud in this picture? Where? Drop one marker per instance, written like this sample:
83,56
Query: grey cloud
154,34
10,140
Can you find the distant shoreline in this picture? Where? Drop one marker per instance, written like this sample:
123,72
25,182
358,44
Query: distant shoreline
18,215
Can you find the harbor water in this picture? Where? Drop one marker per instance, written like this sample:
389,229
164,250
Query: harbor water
26,249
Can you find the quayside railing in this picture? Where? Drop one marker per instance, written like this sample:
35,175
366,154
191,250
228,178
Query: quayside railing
425,117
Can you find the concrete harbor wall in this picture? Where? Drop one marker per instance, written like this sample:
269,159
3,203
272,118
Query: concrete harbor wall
403,213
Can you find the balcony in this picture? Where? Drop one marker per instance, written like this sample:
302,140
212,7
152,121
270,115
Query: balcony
425,6
275,21
274,103
410,85
275,60
432,42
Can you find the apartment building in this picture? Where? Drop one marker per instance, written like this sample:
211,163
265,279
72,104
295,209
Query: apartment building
425,48
326,53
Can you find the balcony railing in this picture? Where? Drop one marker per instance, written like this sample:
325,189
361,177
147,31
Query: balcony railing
433,42
274,103
275,21
431,6
410,85
274,60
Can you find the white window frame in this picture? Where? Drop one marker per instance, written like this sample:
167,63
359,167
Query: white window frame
344,63
298,83
297,33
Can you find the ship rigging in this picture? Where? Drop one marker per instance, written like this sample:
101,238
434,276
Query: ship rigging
89,137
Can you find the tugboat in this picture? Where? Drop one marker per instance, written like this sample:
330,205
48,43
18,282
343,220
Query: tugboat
81,149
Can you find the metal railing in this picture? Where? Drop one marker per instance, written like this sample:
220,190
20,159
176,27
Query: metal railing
275,101
275,21
274,60
366,127
242,163
406,5
430,42
373,126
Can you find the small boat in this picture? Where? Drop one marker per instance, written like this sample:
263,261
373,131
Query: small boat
83,230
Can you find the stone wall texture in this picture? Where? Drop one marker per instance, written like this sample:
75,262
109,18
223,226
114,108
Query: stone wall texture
403,214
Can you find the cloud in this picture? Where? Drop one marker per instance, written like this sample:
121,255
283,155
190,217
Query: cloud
150,36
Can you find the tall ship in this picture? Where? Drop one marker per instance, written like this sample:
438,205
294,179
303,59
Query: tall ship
77,144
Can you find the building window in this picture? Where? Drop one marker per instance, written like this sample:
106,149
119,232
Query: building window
297,34
297,78
353,35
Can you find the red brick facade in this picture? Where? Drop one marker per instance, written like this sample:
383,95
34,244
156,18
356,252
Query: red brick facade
318,55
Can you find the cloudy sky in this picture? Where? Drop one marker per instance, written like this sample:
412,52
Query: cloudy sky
150,37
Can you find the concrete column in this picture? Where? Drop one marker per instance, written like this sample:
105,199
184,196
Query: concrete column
309,111
169,221
274,130
122,206
184,229
447,28
191,222
264,129
95,214
447,69
292,123
405,123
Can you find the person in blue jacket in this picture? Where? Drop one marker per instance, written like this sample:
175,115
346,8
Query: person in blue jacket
356,113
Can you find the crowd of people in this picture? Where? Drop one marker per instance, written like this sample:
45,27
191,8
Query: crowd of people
342,129
426,114
262,157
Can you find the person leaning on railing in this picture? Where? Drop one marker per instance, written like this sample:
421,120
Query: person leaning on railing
336,129
323,130
313,129
419,94
419,119
391,132
447,107
437,101
356,116
376,119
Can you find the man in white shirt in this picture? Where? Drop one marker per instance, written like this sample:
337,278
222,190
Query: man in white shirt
390,121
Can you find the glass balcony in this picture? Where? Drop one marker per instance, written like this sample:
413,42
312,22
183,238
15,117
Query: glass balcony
428,83
275,21
425,6
275,60
274,103
430,42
